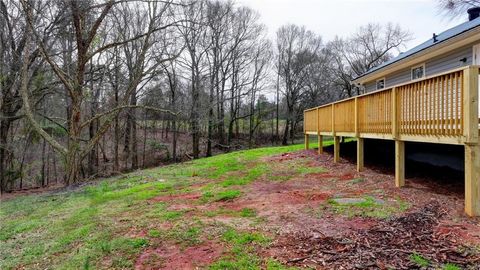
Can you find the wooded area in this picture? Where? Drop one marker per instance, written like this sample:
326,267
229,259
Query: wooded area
94,88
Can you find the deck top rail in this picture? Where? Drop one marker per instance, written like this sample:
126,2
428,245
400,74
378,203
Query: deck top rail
440,109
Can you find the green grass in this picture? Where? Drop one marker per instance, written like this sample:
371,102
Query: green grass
248,212
419,260
274,265
369,207
186,234
95,226
451,266
242,255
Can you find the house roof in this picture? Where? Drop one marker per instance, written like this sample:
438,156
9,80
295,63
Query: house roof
444,36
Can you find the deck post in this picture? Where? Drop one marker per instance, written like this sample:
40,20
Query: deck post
399,163
360,155
336,149
472,180
307,141
320,144
472,145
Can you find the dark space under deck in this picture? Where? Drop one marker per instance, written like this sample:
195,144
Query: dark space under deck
437,164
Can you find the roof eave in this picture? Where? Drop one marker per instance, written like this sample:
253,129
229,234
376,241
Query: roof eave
420,56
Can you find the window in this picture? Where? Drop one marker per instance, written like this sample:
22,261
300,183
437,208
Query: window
418,72
381,84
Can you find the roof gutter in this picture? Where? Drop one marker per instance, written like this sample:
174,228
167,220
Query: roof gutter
440,48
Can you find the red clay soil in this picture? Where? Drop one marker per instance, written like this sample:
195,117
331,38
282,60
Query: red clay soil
172,257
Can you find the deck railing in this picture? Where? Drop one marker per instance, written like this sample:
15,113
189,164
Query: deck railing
440,109
429,109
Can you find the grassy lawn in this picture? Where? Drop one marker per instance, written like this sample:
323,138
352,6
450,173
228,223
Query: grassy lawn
101,225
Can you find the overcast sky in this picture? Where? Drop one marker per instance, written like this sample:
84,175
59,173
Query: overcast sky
343,17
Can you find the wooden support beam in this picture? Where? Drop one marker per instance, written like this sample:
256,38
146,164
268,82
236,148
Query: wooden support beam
307,142
360,154
336,149
472,180
399,163
472,144
320,144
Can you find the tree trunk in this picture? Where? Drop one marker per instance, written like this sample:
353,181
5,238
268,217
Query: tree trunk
4,128
174,143
72,159
72,166
285,132
194,114
44,145
144,137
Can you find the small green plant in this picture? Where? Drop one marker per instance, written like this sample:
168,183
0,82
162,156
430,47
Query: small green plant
86,263
275,265
186,235
154,233
451,266
105,246
207,195
248,212
139,242
171,215
419,260
226,195
243,238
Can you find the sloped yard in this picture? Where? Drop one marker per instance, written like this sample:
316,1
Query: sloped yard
269,208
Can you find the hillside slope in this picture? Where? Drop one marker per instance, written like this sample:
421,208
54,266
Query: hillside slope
267,208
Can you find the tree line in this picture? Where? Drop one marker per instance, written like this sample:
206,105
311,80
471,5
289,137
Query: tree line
93,88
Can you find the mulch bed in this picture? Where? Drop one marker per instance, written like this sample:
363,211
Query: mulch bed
387,245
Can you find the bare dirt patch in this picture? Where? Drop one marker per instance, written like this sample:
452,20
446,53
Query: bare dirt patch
173,257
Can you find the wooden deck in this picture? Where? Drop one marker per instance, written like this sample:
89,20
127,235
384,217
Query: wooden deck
440,109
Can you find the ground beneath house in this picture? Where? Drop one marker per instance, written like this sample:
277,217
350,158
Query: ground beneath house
269,208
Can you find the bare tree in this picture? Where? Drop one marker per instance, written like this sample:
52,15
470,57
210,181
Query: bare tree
297,50
194,31
456,8
87,24
370,46
13,40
